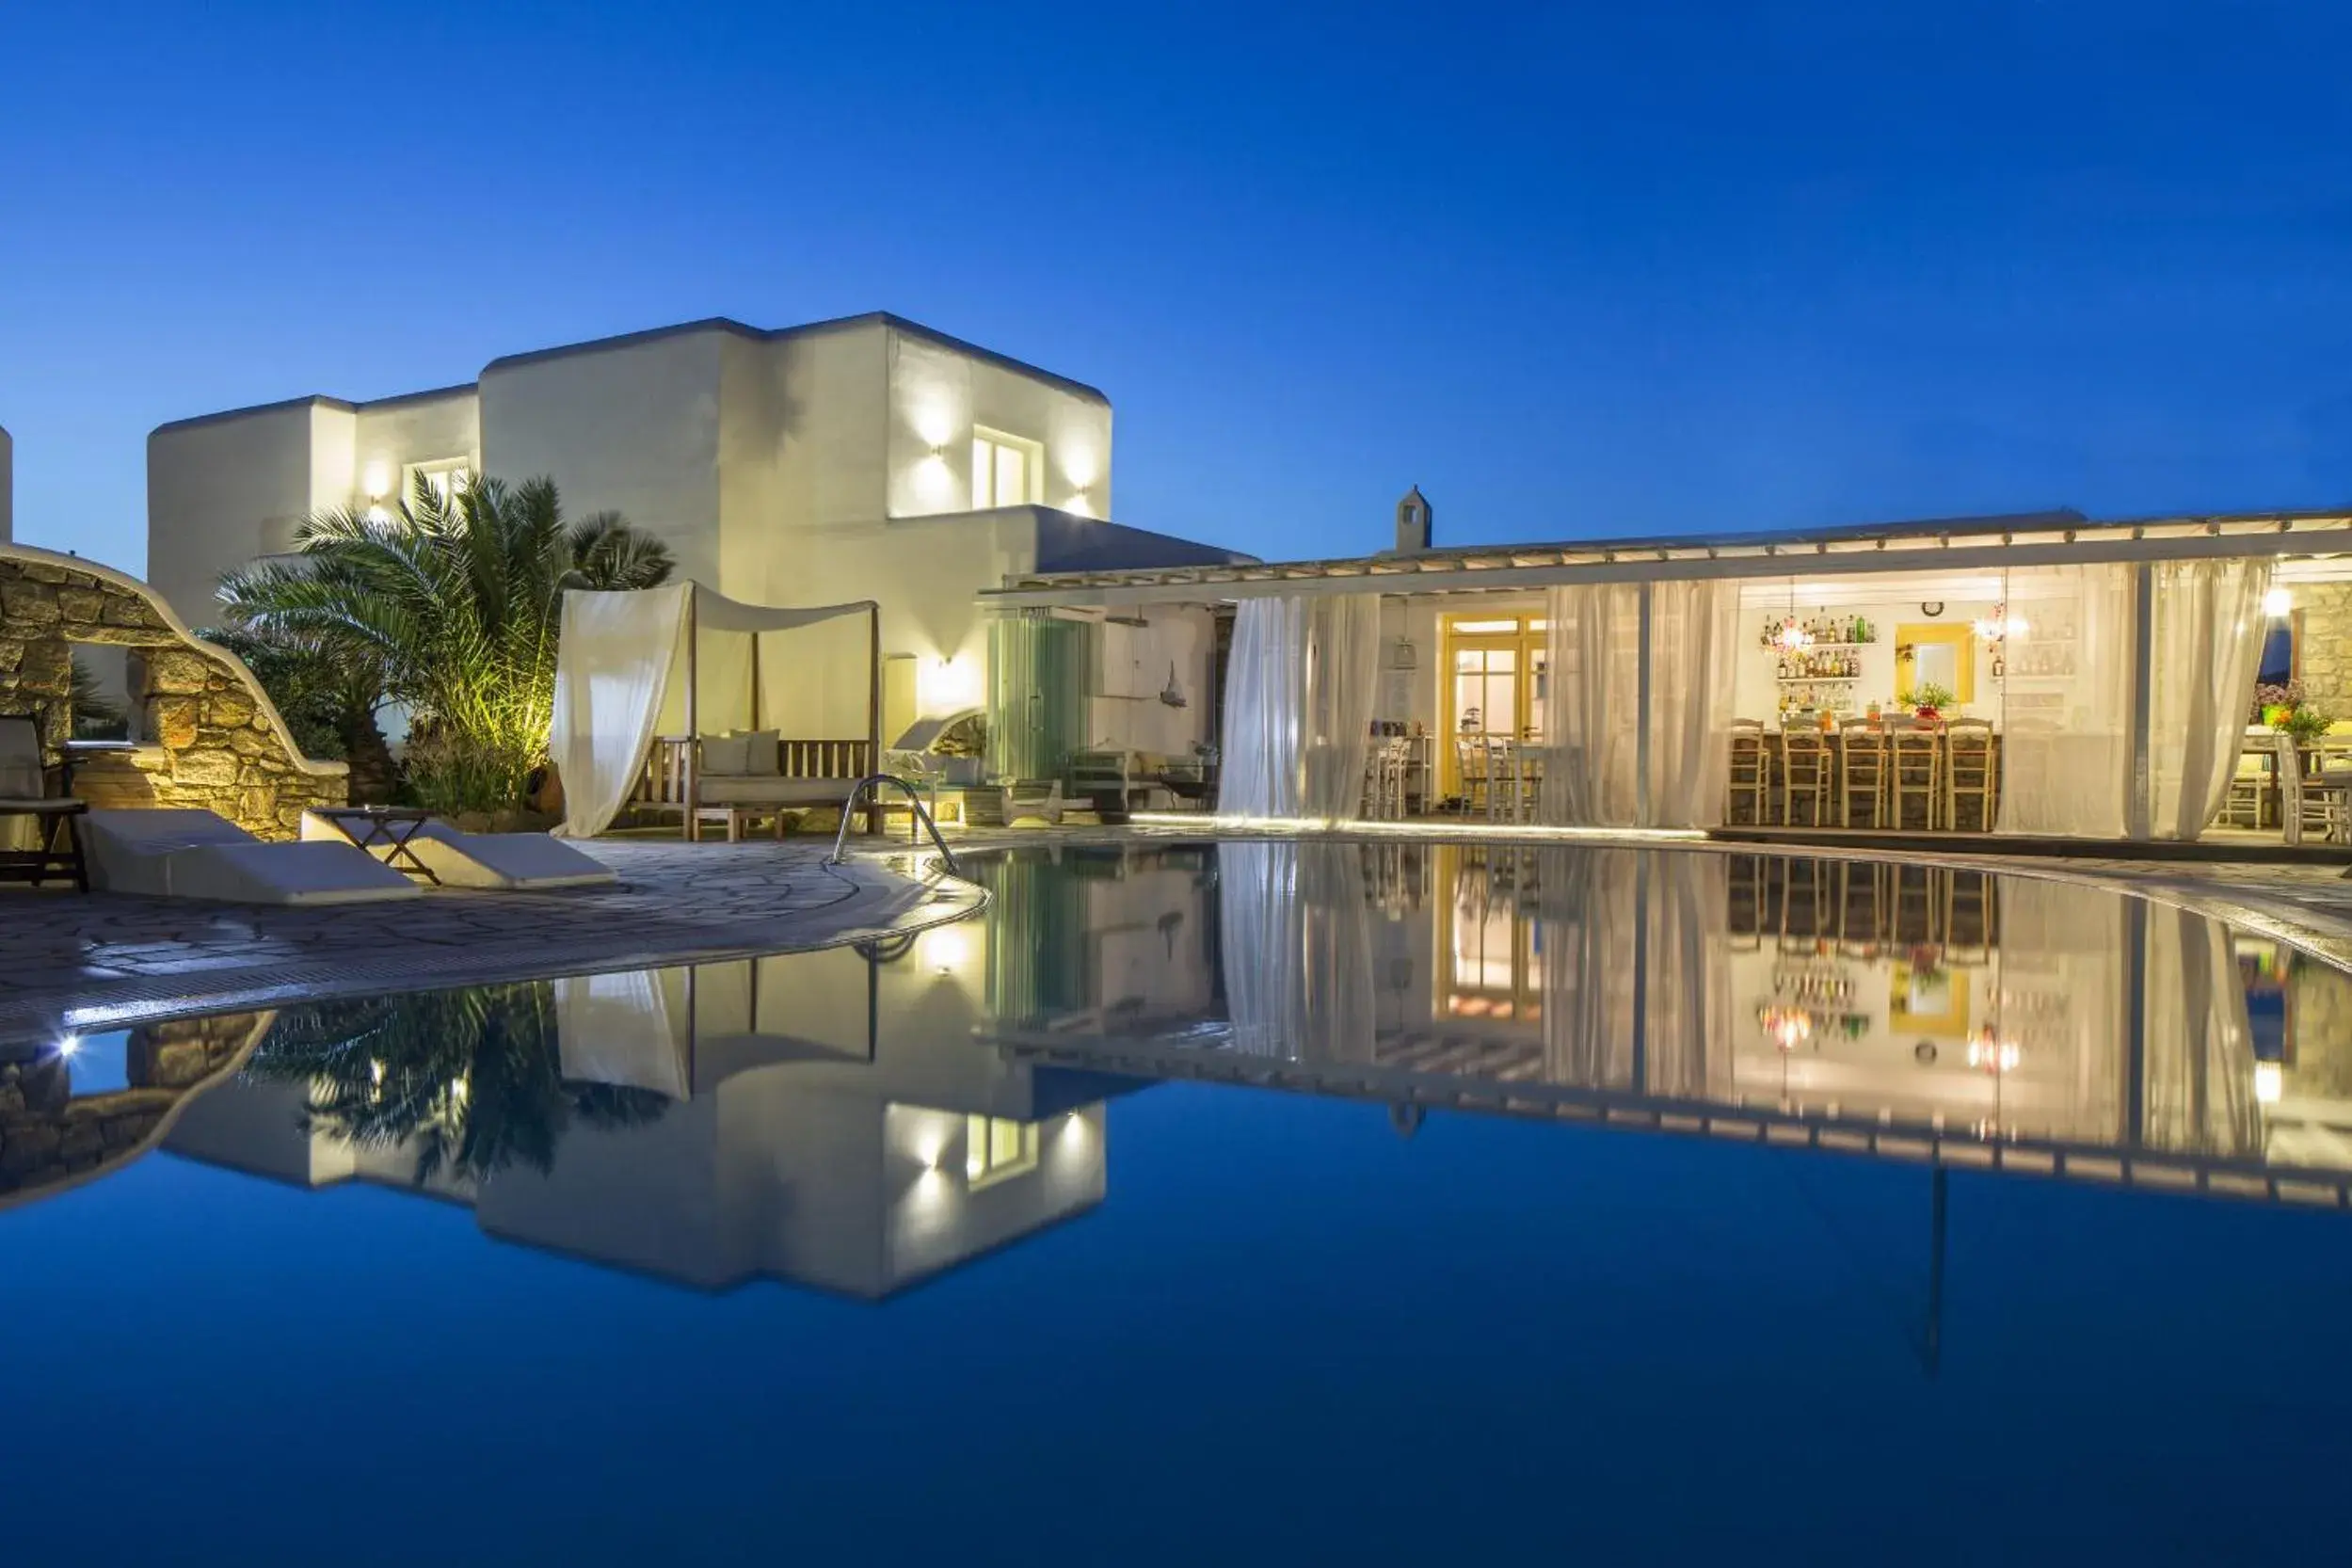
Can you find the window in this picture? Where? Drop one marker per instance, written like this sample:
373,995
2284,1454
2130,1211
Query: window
1006,469
995,1149
1498,670
446,476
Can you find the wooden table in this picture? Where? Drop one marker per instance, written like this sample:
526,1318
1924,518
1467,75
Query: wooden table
389,829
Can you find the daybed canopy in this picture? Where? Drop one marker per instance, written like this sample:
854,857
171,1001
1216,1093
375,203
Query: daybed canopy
685,660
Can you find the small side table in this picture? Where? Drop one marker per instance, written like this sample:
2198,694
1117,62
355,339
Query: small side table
389,829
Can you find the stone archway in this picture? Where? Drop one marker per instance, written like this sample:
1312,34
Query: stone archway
211,736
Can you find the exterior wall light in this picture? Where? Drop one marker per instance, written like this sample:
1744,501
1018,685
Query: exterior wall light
377,480
2278,603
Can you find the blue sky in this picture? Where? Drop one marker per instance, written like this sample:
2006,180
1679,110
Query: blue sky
1573,270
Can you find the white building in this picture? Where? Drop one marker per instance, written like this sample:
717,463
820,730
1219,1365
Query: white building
8,486
867,457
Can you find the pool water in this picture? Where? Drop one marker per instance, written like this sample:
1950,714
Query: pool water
1262,1203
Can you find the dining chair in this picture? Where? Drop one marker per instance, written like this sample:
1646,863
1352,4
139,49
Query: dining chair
1808,775
1861,773
2249,783
1915,776
1968,772
1470,765
1751,768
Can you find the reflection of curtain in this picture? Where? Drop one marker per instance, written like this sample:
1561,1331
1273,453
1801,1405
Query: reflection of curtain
2060,994
628,1030
1694,641
2066,763
1299,696
2208,645
1585,901
1591,718
614,659
1298,949
1689,1005
2200,1052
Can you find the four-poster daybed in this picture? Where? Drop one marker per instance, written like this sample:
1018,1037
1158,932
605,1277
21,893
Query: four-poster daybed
681,702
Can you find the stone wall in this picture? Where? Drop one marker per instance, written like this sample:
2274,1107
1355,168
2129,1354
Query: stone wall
50,1139
2323,645
213,740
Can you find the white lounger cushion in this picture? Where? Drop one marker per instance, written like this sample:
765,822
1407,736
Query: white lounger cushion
504,861
190,853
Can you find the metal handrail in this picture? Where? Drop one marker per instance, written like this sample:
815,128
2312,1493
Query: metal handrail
914,799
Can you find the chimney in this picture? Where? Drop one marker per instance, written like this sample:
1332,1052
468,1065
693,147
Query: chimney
1413,517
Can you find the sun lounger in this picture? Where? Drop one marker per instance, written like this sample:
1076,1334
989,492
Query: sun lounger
460,859
191,853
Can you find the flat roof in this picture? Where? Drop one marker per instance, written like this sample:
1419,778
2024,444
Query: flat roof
655,334
2057,537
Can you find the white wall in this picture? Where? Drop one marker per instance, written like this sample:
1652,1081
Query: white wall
633,427
937,393
423,428
222,492
8,486
1126,710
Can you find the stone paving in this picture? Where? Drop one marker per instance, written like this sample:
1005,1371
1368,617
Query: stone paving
70,962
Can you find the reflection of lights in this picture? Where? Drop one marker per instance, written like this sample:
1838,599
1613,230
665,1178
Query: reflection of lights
1993,1054
948,949
377,480
70,1047
376,1072
1790,1027
460,1091
2270,1081
949,685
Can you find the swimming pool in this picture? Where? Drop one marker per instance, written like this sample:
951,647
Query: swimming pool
1259,1201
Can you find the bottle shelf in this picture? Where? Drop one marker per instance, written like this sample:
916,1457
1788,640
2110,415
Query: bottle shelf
1815,679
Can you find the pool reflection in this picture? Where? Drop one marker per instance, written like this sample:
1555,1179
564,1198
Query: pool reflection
861,1119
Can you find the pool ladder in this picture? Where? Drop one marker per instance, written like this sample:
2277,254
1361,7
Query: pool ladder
914,801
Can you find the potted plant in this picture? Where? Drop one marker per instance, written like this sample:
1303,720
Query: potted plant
1928,701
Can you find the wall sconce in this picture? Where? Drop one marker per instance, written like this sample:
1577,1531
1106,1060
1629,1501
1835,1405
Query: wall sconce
2278,603
377,480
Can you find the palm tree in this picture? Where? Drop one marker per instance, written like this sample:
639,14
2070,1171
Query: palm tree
453,606
472,1079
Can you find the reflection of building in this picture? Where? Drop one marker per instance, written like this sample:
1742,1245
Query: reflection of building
1907,1010
829,1121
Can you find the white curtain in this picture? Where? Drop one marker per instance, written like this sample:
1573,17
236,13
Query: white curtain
613,665
1694,650
2199,1048
1298,949
629,1030
1690,1025
1590,705
1585,905
2065,696
2208,647
1299,696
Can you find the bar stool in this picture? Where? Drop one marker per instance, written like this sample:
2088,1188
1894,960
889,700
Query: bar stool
1807,775
1968,772
1915,774
1861,771
1751,773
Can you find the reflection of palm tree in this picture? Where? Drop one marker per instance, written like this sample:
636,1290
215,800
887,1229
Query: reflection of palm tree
474,1076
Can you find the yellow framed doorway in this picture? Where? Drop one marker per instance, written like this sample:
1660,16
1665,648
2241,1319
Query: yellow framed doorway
1496,667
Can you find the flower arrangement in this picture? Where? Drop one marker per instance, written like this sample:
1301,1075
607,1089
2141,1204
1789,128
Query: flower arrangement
1927,699
2274,700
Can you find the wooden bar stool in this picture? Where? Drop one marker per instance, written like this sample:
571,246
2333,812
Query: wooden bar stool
1968,775
1808,777
1862,773
1916,777
1751,774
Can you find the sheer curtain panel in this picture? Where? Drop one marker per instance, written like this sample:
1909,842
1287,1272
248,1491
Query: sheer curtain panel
1299,697
2208,645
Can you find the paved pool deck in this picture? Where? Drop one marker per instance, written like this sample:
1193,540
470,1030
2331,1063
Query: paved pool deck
76,963
84,964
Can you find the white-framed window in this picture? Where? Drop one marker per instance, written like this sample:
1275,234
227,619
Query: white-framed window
1006,469
995,1149
446,476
